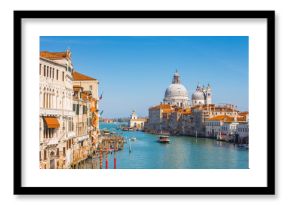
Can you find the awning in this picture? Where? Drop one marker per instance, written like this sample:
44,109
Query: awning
51,122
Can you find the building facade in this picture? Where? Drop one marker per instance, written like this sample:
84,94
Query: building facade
135,122
56,114
90,86
200,117
68,120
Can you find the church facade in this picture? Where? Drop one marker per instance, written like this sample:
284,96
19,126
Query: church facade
179,115
135,122
176,94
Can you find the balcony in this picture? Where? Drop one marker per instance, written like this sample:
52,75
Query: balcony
51,141
55,112
71,135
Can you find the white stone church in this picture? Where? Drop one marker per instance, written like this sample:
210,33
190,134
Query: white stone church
176,94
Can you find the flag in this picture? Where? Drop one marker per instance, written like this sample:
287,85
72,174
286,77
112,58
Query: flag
101,112
101,96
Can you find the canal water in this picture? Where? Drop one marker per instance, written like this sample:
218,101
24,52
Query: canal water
183,152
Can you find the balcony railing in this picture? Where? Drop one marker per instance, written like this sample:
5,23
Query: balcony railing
58,112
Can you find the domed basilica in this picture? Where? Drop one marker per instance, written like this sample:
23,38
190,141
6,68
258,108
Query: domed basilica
176,94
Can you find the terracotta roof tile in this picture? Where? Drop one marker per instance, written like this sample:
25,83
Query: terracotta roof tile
55,55
81,77
244,113
227,118
161,106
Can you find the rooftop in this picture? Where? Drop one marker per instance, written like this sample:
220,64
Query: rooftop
55,55
81,77
227,118
161,107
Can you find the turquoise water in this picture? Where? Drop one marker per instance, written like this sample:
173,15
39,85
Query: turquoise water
183,152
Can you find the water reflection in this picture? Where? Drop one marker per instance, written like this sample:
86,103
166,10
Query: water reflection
183,152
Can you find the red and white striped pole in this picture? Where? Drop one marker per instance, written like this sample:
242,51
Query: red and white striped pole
115,160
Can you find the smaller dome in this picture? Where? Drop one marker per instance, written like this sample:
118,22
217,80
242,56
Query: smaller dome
198,95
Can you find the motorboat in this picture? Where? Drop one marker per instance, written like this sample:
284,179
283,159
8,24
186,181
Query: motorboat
132,139
164,139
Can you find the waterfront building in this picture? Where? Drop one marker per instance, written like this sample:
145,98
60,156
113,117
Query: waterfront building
199,117
135,122
154,123
90,86
82,120
56,114
202,113
185,121
243,132
86,118
223,127
176,93
68,112
106,120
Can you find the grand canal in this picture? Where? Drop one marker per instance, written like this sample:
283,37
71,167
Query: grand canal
183,152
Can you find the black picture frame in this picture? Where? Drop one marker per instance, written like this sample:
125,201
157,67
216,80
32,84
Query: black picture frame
268,190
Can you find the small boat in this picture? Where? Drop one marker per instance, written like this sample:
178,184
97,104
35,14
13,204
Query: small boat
164,139
243,146
133,139
106,132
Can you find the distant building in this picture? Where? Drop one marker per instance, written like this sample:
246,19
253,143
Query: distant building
135,122
156,114
243,132
177,116
106,120
223,127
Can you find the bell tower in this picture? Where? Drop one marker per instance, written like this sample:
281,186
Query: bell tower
134,115
208,94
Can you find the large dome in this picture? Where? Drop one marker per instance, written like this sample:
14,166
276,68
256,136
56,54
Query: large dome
175,91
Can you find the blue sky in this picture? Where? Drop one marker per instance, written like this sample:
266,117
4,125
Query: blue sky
134,71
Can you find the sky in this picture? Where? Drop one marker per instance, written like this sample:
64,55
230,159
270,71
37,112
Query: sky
134,71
